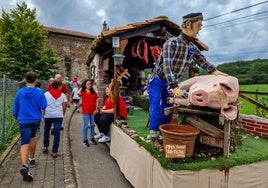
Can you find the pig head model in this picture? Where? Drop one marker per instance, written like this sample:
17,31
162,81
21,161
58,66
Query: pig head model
217,92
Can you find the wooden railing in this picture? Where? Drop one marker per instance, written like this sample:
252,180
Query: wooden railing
256,101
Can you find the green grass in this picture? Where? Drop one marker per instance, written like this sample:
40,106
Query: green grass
252,150
247,107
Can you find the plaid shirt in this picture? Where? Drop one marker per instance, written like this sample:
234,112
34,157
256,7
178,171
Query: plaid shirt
177,55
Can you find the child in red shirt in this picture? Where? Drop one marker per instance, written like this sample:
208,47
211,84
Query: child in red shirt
105,116
89,105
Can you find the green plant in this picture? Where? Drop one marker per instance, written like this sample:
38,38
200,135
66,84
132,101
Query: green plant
12,128
262,112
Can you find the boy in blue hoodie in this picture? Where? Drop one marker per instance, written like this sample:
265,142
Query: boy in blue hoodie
28,109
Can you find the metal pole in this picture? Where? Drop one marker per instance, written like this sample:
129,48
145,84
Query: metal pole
3,109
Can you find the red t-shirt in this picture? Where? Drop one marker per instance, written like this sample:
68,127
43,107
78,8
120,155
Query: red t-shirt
122,106
89,102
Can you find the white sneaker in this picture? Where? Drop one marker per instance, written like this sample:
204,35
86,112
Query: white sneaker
98,136
104,139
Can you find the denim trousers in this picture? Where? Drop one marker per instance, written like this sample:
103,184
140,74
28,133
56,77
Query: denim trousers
88,122
158,95
28,131
56,126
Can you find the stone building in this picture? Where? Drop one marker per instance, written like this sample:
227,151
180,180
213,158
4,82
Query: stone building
72,47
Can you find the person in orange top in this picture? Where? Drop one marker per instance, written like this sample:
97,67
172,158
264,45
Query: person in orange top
89,105
105,116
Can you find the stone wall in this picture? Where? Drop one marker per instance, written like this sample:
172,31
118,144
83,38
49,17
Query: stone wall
72,48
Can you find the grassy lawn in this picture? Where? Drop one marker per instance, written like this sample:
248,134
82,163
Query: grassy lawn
247,107
253,149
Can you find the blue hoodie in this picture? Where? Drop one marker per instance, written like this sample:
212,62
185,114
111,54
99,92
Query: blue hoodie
28,103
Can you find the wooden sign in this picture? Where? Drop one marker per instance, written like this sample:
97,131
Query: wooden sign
175,151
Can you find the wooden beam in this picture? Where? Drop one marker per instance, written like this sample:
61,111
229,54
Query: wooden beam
175,110
204,126
136,32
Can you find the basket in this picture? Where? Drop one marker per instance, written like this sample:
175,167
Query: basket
175,135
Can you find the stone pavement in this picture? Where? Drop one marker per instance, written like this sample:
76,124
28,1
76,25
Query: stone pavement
49,172
76,166
94,166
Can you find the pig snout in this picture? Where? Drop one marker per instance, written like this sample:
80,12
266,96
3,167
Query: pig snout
199,98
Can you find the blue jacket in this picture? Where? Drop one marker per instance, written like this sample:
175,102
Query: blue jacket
28,103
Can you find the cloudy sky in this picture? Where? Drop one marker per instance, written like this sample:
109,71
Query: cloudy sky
236,31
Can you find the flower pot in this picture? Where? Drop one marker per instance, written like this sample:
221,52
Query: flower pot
178,140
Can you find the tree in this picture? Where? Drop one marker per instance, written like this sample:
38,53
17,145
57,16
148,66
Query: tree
22,45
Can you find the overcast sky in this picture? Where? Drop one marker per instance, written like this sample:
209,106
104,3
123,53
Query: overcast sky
237,32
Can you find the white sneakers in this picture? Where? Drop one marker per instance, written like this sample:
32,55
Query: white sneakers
104,139
98,136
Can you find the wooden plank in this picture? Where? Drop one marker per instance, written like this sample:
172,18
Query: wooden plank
204,126
211,141
176,109
226,145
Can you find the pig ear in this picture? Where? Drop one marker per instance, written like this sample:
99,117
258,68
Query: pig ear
230,112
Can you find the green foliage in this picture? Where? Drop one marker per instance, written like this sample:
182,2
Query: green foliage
247,72
264,113
22,47
12,128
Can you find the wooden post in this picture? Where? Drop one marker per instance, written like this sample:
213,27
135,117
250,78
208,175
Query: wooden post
226,143
257,99
116,94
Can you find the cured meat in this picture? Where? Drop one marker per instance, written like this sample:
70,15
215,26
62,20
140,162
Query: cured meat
155,51
140,50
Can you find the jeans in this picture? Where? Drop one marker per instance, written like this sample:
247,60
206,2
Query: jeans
57,125
28,131
158,95
88,120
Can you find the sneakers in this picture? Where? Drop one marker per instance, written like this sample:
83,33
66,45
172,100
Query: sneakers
31,163
98,136
93,141
24,171
104,139
86,144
